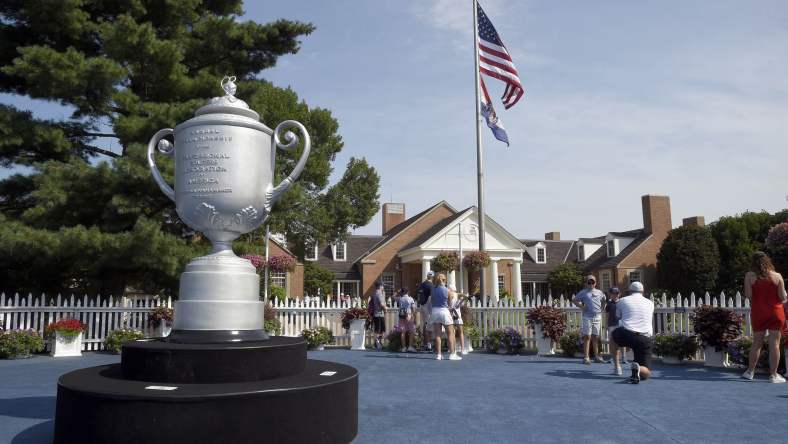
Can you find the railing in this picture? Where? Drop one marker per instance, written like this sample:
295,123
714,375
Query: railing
100,316
672,314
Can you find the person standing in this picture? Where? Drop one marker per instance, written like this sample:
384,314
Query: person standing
635,330
406,304
590,300
425,291
378,302
612,324
441,317
455,305
766,290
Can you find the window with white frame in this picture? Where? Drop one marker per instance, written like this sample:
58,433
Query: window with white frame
501,285
277,278
339,250
388,283
310,252
611,248
541,255
606,281
348,288
634,276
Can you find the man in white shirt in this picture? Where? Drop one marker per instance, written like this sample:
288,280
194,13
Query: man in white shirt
635,329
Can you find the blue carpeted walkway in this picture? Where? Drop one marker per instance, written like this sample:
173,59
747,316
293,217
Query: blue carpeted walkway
486,399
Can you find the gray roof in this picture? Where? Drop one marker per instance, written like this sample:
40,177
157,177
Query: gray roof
357,245
556,255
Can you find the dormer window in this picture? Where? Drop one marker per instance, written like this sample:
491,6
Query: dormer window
339,250
611,248
581,253
541,255
310,252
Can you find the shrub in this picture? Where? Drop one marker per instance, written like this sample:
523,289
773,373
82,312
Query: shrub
566,278
19,343
472,330
159,315
116,338
507,338
678,345
716,326
273,325
277,292
394,339
551,320
570,343
68,328
317,336
354,313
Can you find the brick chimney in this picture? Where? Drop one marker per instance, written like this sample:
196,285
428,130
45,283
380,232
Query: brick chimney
694,221
656,214
393,215
553,235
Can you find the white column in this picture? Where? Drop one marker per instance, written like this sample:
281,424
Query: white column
451,279
494,280
516,281
425,267
337,293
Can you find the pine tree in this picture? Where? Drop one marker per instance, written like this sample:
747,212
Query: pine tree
92,220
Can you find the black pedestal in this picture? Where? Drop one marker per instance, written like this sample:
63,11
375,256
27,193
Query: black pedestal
191,393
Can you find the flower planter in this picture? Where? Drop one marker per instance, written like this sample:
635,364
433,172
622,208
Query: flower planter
357,334
544,346
66,346
714,358
271,333
671,360
468,347
320,347
162,330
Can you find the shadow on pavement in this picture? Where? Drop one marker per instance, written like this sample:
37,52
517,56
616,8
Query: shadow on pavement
586,374
401,356
38,407
38,434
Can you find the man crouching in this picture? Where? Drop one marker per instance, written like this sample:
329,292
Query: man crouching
635,329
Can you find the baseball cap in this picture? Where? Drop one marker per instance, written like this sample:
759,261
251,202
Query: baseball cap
590,277
430,273
636,287
615,290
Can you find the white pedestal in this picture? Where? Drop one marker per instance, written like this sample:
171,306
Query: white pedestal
357,334
65,346
162,330
544,346
715,358
468,346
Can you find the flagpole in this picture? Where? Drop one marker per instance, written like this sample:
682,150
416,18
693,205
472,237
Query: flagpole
479,157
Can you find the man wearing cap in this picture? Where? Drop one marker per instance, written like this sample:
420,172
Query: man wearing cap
424,293
636,315
590,299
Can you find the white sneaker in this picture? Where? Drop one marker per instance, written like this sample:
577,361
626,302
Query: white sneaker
617,371
455,357
403,350
776,379
749,375
439,357
464,352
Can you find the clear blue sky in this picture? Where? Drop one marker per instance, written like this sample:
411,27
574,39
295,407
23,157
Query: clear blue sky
684,98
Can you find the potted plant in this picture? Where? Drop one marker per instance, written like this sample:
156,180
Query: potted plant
355,319
474,262
116,338
317,338
271,323
160,319
65,337
549,325
675,348
394,339
19,344
570,343
505,341
470,330
716,327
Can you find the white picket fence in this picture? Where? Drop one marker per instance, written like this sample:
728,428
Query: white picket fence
672,314
100,316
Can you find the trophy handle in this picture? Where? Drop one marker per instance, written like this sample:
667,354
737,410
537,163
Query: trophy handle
165,147
292,140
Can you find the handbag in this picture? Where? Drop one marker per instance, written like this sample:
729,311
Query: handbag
454,314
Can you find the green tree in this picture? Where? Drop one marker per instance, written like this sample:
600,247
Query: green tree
565,279
89,219
317,278
736,246
688,261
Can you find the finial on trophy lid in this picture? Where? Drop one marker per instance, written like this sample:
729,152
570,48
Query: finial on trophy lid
228,103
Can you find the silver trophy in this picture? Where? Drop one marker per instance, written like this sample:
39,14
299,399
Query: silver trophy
224,167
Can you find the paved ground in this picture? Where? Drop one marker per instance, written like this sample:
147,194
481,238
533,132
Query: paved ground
486,399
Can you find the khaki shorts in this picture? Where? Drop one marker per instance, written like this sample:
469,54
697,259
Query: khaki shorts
591,326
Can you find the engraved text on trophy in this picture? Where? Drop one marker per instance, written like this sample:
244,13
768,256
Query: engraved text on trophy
206,166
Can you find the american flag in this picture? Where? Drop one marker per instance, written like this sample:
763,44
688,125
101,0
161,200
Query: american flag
494,60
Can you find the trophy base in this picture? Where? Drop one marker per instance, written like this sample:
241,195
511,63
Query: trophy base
216,336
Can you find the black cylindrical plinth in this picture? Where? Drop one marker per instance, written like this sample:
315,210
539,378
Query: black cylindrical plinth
318,405
215,336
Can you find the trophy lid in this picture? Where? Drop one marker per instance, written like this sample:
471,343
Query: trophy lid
228,104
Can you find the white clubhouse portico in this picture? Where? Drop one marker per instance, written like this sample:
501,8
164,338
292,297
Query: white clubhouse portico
460,234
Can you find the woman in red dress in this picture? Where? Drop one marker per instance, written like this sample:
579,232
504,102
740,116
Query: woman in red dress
766,290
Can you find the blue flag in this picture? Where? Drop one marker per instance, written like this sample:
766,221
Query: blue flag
491,117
